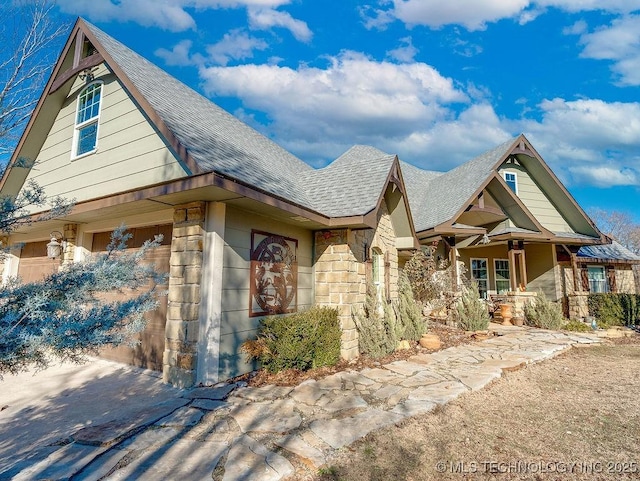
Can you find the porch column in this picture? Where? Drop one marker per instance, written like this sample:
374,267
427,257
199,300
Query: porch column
517,265
453,262
183,311
208,370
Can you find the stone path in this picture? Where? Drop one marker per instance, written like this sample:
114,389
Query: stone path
246,433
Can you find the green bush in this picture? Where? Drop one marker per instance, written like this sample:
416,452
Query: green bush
304,340
615,309
378,330
411,323
472,311
543,313
577,326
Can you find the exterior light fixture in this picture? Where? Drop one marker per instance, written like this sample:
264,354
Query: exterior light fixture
56,246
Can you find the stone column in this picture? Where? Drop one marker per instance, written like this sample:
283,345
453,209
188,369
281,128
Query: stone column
70,235
181,332
578,306
340,280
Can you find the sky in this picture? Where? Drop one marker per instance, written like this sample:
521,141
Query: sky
435,82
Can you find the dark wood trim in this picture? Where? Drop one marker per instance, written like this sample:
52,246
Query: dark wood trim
77,53
85,63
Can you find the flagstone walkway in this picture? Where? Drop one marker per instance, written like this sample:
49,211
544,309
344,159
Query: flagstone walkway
246,433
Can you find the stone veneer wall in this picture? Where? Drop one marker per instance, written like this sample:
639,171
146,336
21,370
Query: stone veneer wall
341,272
70,234
578,306
518,300
181,331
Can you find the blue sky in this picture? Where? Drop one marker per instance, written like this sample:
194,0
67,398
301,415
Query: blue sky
435,82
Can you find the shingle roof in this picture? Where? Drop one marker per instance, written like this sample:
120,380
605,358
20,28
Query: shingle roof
351,184
614,251
435,199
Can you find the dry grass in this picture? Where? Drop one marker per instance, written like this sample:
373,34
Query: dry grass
581,407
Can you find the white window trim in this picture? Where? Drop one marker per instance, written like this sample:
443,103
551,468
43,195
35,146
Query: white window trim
515,178
78,127
495,272
473,278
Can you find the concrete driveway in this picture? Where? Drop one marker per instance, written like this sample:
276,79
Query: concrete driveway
45,408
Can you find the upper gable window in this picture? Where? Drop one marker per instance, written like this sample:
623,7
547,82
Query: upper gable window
512,181
85,140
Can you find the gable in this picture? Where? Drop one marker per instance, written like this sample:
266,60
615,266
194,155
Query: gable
130,152
535,199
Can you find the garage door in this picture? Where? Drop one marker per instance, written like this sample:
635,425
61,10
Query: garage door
148,353
34,263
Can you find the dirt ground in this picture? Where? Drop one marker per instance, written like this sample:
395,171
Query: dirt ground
575,417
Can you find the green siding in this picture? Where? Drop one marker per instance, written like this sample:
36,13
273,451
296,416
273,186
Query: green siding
130,153
536,201
236,325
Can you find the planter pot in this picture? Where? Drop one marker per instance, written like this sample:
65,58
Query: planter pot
430,341
506,314
481,335
518,321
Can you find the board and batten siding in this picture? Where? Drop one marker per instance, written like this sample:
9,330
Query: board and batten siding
130,152
536,201
236,324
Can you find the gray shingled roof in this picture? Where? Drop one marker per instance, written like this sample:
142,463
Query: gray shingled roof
351,184
614,251
435,199
217,141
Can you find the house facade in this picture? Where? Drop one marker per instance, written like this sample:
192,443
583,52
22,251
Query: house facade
250,230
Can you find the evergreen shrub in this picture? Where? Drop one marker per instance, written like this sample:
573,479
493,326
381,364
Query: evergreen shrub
304,340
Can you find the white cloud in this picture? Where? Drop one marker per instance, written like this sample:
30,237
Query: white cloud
354,96
168,16
172,14
179,55
235,45
619,42
404,53
267,18
605,176
473,14
588,139
476,14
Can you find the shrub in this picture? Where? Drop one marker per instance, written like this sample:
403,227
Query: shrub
411,324
543,313
429,280
577,326
472,311
378,331
303,340
615,309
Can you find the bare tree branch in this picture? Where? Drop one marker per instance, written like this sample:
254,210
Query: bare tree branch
620,226
31,36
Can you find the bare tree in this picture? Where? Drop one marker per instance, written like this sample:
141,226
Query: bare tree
619,225
31,35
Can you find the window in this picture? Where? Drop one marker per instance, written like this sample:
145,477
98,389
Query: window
502,275
480,275
85,138
597,279
378,276
511,180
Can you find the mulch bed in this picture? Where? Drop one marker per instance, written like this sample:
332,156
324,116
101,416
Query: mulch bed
449,337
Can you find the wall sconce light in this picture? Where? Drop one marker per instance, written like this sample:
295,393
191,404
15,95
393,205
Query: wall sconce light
56,246
365,254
